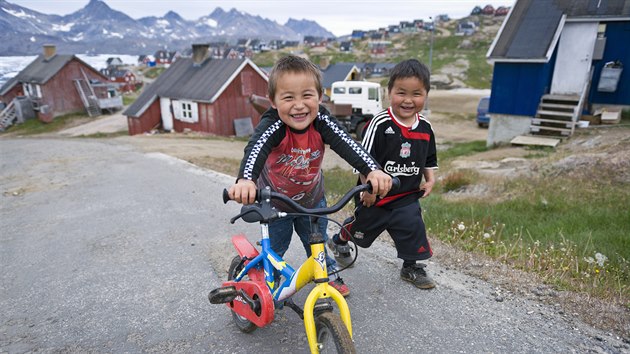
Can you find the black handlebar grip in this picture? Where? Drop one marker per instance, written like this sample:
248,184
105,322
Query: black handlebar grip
395,183
226,196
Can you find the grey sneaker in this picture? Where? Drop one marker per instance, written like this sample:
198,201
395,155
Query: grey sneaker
341,253
417,276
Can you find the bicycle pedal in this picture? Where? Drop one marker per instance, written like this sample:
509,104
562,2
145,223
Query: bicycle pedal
222,295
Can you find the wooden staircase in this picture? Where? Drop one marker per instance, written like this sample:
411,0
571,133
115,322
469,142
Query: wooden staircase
90,102
557,115
8,116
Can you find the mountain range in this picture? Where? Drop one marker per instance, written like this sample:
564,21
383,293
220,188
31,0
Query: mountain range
97,28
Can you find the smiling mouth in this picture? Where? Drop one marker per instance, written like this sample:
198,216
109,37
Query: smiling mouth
299,116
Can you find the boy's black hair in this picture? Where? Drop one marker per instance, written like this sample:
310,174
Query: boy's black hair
294,64
410,68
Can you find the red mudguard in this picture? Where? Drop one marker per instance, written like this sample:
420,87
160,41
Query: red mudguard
255,288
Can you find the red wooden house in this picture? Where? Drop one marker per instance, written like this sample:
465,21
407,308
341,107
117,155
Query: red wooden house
199,93
55,85
125,78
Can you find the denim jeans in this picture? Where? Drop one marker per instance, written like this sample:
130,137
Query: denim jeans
281,232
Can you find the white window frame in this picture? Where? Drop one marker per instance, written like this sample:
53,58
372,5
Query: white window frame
32,90
186,111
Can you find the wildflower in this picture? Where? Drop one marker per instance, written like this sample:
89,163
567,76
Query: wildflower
589,260
537,243
461,226
600,259
486,235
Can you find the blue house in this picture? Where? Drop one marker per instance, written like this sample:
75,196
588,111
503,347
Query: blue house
556,60
357,34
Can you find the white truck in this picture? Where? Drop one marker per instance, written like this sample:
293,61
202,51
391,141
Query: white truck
364,97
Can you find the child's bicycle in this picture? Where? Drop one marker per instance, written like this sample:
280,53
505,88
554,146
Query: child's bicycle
253,290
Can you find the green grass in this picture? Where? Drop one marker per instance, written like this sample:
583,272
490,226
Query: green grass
543,215
154,72
129,99
35,126
105,135
463,149
572,231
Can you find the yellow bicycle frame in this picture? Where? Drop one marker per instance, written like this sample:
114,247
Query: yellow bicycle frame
314,271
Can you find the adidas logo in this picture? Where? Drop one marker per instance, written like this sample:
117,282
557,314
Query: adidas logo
389,130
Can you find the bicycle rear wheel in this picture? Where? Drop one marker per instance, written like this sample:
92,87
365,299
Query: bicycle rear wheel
243,324
332,334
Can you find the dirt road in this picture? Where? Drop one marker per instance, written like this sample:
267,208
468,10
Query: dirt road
107,249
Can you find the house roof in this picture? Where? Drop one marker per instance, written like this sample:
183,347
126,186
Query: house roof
185,81
40,70
532,27
337,72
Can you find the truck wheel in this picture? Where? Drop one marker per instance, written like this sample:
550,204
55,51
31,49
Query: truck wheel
359,131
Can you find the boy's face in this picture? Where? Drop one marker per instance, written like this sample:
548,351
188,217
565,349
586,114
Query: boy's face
407,97
296,99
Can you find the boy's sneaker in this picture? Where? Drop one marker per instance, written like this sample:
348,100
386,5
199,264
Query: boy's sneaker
341,253
417,276
340,286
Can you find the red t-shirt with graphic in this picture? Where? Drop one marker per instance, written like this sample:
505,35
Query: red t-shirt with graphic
290,161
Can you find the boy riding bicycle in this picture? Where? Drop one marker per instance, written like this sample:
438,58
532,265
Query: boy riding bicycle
287,149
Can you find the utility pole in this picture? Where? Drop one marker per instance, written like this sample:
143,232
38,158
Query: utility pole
426,103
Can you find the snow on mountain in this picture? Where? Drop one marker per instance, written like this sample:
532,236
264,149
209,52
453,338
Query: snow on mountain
97,28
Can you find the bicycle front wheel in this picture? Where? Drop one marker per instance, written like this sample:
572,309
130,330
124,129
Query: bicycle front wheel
332,334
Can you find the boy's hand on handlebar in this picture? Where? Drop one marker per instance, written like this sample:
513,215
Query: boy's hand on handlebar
244,191
368,199
381,182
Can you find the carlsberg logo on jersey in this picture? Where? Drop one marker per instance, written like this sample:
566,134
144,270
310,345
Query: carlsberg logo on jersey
401,170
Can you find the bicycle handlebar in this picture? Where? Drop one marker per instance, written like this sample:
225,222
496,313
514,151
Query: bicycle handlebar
265,194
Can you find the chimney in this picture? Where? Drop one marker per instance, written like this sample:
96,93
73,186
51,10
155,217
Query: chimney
49,51
199,53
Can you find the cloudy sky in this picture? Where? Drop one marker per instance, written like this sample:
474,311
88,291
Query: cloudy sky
338,16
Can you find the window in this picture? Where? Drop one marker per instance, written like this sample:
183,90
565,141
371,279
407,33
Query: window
186,111
339,90
372,93
354,90
601,30
32,90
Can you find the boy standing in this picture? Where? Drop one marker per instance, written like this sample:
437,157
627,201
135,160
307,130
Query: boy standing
287,149
402,141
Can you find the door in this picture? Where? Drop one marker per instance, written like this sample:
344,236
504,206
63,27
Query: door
575,55
167,114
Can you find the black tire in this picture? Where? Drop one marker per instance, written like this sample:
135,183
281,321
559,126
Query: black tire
243,324
359,130
332,334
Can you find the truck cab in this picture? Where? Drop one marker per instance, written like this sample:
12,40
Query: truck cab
366,100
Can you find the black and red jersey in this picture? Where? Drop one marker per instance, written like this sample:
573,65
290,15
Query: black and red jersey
403,152
289,161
